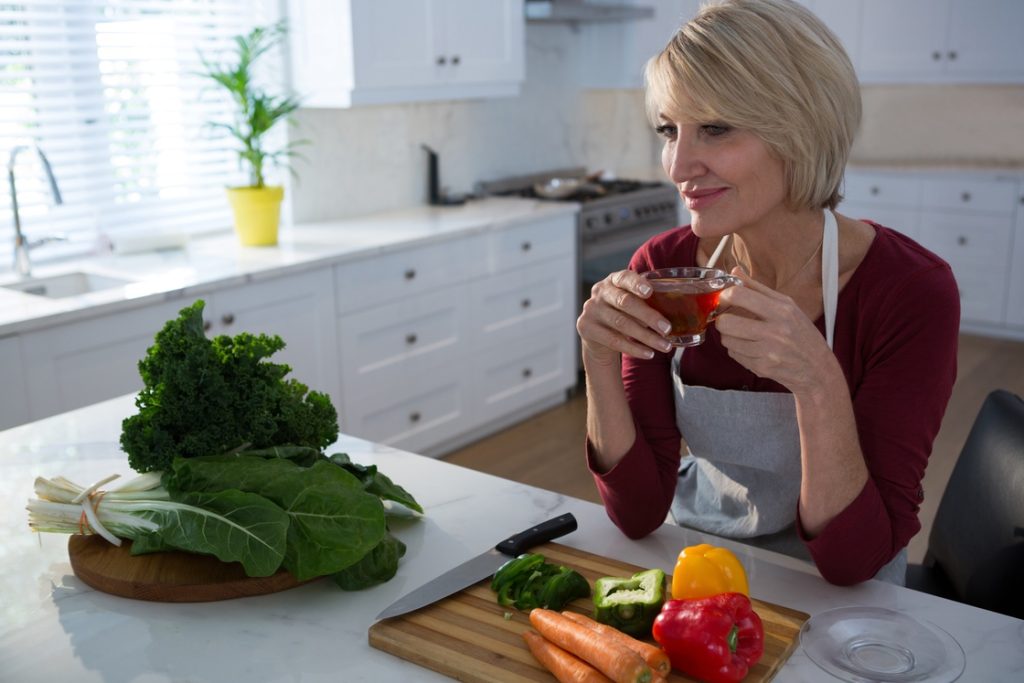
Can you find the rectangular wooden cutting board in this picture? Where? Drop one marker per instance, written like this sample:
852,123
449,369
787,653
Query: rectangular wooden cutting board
467,636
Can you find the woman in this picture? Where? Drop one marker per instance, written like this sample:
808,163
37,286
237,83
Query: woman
809,412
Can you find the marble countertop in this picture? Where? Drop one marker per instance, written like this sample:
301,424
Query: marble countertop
219,260
55,628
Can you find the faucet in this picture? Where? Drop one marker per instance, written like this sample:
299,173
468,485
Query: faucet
21,246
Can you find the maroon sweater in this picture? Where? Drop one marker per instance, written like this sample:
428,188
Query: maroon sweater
896,330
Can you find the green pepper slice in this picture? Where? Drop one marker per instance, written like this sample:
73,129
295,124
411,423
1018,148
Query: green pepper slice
630,604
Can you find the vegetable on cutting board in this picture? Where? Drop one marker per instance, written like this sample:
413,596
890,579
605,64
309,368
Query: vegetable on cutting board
233,466
614,660
654,656
716,639
529,581
565,666
631,603
704,570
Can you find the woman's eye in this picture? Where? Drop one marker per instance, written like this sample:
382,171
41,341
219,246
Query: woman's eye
666,131
714,130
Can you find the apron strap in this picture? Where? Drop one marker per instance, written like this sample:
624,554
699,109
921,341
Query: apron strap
830,274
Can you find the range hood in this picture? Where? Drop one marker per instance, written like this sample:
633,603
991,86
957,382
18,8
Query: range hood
579,11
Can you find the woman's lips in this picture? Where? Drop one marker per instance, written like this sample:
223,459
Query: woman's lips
701,199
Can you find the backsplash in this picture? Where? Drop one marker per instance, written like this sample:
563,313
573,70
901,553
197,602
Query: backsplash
368,159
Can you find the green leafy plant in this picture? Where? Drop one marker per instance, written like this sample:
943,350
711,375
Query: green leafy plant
257,111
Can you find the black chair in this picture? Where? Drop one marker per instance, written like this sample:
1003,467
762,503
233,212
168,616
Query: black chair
976,546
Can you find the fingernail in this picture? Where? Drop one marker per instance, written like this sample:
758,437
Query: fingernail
645,289
664,327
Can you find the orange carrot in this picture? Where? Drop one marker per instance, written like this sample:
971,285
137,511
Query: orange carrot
655,657
614,660
565,666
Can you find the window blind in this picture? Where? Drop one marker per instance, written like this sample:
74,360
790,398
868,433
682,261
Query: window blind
112,92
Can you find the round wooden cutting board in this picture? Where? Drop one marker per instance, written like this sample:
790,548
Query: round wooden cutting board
168,576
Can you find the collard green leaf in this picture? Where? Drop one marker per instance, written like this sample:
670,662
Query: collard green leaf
377,566
375,482
333,522
232,525
305,456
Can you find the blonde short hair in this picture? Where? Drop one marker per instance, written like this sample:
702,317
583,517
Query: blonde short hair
773,68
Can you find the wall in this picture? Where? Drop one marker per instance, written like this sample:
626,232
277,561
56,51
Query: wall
369,159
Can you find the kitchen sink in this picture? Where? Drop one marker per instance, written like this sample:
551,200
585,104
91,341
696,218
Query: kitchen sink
65,285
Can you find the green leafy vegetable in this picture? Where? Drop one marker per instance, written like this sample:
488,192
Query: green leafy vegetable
377,483
206,397
377,566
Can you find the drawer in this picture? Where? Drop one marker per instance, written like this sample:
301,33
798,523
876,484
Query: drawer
524,245
995,195
977,249
511,376
881,190
424,411
406,273
525,301
411,335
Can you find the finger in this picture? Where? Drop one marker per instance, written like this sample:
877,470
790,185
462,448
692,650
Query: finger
622,299
616,328
631,282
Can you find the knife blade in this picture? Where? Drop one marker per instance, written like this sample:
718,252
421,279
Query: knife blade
479,567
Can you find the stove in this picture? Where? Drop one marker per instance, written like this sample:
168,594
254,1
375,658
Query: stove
616,216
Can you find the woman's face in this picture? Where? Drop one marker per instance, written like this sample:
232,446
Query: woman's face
728,177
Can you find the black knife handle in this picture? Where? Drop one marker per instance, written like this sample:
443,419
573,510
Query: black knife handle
542,533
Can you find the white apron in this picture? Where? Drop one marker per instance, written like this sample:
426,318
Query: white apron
741,477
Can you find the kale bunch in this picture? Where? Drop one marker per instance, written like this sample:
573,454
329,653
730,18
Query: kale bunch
211,396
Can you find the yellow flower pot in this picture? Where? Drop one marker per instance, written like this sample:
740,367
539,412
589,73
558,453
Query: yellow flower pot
257,214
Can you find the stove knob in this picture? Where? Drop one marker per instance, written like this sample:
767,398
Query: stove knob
608,219
589,223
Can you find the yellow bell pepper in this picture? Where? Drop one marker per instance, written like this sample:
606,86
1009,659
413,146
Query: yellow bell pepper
705,570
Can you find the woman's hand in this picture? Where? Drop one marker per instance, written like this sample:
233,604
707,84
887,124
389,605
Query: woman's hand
767,333
616,319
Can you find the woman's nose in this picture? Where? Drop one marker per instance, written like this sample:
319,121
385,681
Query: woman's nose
682,161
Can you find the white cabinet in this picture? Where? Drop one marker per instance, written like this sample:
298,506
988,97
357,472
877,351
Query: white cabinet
1015,296
352,52
14,409
948,41
440,343
75,364
298,308
968,220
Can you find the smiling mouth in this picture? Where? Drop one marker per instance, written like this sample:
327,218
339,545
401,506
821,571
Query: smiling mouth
702,198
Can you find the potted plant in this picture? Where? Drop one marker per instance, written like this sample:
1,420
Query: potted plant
257,206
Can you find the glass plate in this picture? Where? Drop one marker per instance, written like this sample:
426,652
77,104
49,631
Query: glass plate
867,644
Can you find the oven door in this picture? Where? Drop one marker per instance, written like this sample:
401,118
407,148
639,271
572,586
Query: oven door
602,255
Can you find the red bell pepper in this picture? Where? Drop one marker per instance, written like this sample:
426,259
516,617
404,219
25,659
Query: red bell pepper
716,639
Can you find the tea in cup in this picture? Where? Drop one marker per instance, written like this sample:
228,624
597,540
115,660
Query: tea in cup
688,298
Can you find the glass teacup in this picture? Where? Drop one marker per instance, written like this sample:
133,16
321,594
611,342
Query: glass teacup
688,298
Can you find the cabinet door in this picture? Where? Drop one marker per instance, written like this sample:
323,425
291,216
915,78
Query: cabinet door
903,41
1015,296
298,308
394,43
14,409
483,42
843,17
986,41
977,248
80,363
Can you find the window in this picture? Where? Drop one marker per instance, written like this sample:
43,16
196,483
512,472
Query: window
112,92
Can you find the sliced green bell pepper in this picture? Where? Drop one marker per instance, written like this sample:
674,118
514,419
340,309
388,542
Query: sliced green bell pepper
529,581
630,604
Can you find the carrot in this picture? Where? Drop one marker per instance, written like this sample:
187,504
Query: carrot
614,660
655,657
565,666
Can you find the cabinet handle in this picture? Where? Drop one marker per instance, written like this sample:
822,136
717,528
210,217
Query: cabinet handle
966,197
527,373
227,318
455,59
410,274
952,54
875,190
441,60
207,325
525,303
414,417
936,55
962,241
526,246
410,339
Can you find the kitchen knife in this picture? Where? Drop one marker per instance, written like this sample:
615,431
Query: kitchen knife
480,567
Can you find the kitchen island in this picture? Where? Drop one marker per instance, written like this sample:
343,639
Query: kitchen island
56,628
